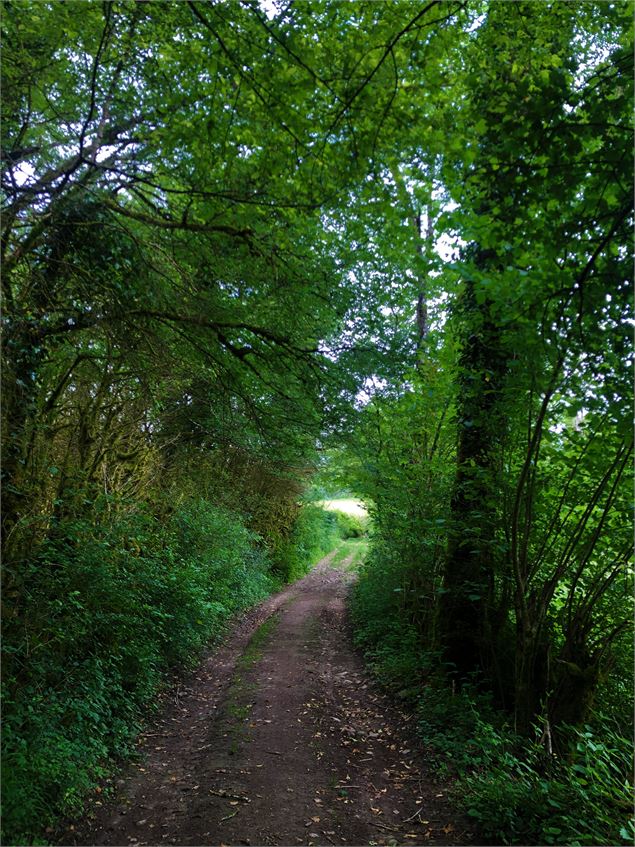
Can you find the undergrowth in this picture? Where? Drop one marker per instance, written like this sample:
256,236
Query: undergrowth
349,525
518,792
515,791
389,639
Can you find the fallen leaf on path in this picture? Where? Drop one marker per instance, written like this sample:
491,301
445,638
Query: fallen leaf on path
229,796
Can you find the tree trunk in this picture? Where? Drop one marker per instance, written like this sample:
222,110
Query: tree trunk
467,618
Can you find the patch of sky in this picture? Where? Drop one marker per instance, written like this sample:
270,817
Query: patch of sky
24,173
269,7
372,385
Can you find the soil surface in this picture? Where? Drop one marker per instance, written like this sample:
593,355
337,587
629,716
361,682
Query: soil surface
279,738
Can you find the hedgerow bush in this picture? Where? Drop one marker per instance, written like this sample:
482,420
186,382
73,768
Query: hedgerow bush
101,614
581,796
315,533
390,640
515,790
461,730
349,526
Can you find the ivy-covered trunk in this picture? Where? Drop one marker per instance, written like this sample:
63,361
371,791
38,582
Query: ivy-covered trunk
469,620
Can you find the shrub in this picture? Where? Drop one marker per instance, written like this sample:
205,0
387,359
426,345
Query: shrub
582,797
515,792
391,642
461,730
349,526
314,534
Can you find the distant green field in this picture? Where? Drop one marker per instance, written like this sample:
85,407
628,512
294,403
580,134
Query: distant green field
346,504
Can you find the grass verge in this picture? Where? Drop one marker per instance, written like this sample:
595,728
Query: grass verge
239,701
350,554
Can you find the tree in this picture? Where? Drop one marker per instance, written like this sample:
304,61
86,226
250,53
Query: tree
524,175
546,242
167,215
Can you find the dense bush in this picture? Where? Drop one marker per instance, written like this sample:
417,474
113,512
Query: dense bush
105,610
461,730
521,795
313,535
517,791
383,626
316,531
349,526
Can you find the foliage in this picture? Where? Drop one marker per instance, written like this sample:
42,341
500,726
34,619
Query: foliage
348,525
315,533
500,461
230,247
390,639
582,797
514,788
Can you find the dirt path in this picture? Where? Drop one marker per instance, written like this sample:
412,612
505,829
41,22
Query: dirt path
278,738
